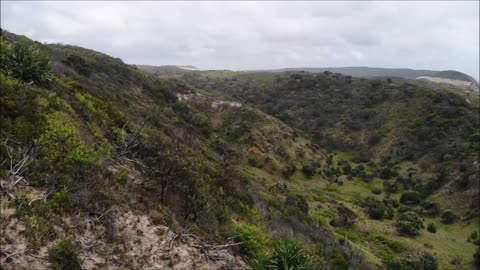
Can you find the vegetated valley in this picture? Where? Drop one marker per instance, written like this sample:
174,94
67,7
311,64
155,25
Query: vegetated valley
109,165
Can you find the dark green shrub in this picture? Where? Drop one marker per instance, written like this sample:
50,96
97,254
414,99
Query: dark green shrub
410,197
385,173
409,224
432,228
255,161
448,217
376,191
390,186
64,255
289,169
377,209
308,171
430,208
403,209
391,203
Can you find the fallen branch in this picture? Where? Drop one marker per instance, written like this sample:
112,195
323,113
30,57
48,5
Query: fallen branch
8,256
218,246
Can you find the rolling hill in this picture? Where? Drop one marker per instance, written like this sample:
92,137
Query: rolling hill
105,164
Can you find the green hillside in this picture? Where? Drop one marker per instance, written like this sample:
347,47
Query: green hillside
106,165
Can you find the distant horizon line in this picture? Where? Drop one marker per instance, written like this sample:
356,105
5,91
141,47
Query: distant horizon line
310,67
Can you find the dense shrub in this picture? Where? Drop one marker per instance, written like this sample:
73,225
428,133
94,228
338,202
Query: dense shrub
61,148
409,224
391,203
432,228
254,240
378,210
413,261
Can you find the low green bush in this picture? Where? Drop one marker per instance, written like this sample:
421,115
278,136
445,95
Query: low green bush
254,240
64,255
432,228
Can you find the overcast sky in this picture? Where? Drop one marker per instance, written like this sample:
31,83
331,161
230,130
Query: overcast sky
261,35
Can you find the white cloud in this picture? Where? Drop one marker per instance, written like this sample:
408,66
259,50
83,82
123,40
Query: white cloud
255,35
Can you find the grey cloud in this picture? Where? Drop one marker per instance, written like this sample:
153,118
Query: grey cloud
255,35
